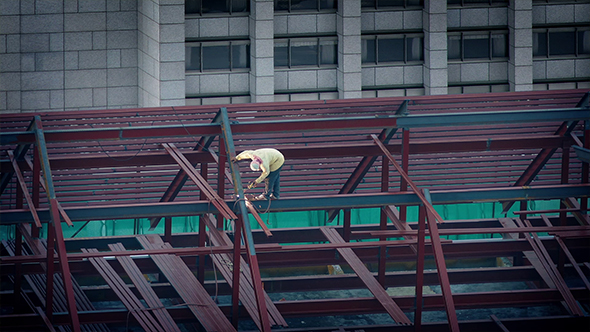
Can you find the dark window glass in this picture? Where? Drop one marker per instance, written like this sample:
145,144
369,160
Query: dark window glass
414,50
368,3
192,58
539,44
328,4
562,43
281,53
240,56
281,4
415,3
499,46
328,52
453,2
467,2
216,57
390,3
583,42
476,46
304,53
192,6
368,50
454,47
390,49
304,5
214,6
239,6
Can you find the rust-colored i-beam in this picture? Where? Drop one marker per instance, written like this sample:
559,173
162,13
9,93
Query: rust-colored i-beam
248,239
188,169
365,164
24,189
406,177
545,154
55,233
180,179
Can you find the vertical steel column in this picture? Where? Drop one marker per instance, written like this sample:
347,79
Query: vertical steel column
202,229
36,190
346,223
248,239
222,159
565,172
168,229
420,268
57,233
236,272
585,166
403,186
18,251
383,222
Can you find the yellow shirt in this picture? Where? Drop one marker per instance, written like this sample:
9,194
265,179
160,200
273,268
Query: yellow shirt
272,159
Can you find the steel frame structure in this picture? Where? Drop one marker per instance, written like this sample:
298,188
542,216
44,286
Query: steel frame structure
155,163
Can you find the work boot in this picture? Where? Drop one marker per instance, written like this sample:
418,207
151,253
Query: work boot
273,197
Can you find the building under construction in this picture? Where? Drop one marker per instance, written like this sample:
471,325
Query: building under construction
427,213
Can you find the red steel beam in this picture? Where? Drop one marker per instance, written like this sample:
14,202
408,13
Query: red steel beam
23,189
57,233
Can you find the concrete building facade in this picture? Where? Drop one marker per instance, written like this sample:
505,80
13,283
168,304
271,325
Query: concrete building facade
96,54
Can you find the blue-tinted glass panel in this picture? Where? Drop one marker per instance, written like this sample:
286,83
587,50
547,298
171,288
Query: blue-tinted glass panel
539,44
304,5
499,46
476,46
281,53
192,7
390,49
583,42
368,50
328,4
454,47
304,53
328,52
368,3
414,50
390,3
281,5
239,6
192,58
216,57
215,6
240,56
562,43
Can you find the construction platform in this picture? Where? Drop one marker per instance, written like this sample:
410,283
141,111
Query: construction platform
406,269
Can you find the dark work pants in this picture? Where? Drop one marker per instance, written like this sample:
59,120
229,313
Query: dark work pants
272,183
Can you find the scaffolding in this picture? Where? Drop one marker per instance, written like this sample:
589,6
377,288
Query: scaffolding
73,169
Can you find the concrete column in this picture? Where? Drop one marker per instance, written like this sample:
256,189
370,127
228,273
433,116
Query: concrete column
262,51
435,47
348,28
161,53
520,25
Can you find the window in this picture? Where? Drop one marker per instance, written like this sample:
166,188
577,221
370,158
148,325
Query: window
302,5
477,45
466,3
555,42
216,6
392,48
380,4
295,52
210,56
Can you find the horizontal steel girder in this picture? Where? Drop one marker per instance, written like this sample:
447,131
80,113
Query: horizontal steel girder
174,209
318,151
375,122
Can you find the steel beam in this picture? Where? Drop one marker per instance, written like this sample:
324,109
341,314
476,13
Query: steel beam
248,239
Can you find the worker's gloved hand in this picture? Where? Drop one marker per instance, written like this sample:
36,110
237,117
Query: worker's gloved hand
234,160
252,184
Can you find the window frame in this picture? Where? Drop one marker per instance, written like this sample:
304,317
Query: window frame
490,34
375,5
317,9
404,36
229,5
548,30
229,44
318,59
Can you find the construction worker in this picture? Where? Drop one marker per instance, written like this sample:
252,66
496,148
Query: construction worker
269,162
